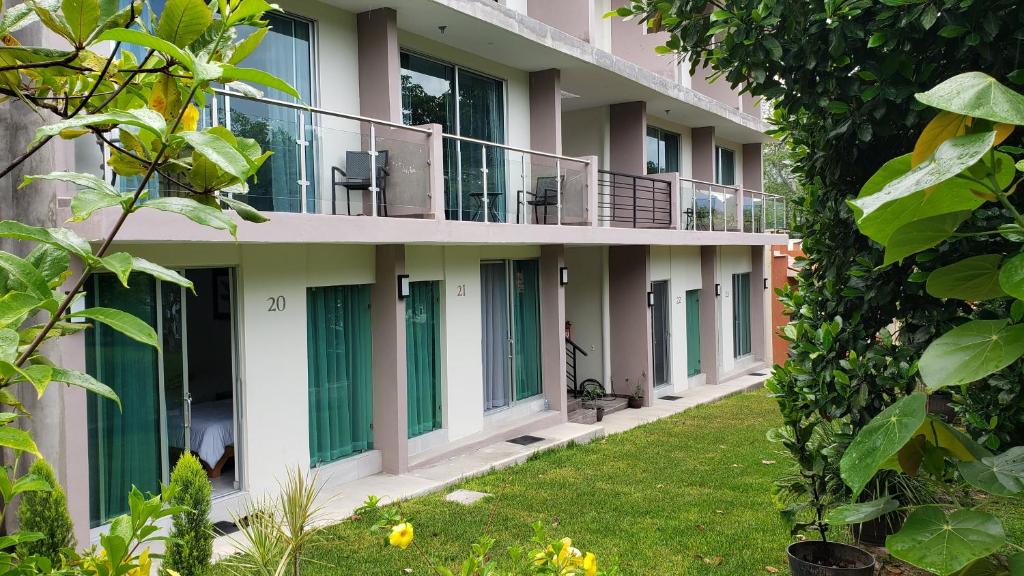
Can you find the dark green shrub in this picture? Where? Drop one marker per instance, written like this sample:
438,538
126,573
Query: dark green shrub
191,545
46,513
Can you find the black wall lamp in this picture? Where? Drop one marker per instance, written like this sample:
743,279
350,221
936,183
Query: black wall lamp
404,290
718,289
765,283
563,276
650,299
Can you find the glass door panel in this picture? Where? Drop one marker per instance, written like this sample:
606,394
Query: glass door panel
496,345
741,314
124,445
175,372
526,322
482,116
428,97
660,335
423,357
692,332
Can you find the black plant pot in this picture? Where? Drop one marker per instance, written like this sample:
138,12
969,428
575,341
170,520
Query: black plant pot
817,558
635,402
874,532
600,413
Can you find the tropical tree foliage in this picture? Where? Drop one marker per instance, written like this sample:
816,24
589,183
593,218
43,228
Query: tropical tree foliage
137,86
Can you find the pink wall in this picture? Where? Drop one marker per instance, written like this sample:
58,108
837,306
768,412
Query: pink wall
719,90
570,16
630,42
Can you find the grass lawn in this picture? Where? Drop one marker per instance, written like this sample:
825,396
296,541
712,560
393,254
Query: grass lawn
685,495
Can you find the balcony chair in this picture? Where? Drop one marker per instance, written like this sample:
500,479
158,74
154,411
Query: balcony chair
357,177
546,195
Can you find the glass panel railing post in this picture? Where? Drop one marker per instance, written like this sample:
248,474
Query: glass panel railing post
523,191
373,169
302,145
483,178
558,192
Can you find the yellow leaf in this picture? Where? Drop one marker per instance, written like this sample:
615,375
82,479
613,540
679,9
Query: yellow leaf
944,126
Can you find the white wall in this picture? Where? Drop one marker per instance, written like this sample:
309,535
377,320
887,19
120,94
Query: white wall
586,133
731,260
680,266
585,307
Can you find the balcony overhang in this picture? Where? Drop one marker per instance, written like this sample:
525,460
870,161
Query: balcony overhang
152,226
501,34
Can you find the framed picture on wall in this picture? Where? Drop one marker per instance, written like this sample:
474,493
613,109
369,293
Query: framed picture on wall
221,294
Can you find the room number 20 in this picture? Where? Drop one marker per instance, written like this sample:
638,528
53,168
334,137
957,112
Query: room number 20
276,304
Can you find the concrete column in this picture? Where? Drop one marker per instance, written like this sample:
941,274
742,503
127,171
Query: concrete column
753,178
629,279
759,304
380,87
703,150
709,318
546,110
627,137
593,212
552,328
390,392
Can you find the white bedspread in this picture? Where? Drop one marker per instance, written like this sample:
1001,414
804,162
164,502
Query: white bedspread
212,430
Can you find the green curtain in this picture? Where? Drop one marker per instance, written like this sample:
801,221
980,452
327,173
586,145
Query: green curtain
423,357
124,445
526,327
741,314
692,332
340,384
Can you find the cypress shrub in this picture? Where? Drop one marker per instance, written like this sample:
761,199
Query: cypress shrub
46,513
191,545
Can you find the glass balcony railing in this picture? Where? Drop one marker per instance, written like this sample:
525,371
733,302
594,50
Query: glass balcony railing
716,207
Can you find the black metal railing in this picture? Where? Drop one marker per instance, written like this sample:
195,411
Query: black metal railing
637,201
571,350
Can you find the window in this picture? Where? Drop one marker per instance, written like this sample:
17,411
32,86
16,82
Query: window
741,314
725,166
662,151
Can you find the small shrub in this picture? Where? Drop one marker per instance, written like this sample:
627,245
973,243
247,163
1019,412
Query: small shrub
46,512
191,545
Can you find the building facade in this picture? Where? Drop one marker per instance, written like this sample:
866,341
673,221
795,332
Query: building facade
466,188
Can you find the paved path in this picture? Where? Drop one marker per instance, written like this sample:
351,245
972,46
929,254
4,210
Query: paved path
346,497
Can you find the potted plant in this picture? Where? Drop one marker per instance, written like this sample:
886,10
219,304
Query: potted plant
636,400
590,397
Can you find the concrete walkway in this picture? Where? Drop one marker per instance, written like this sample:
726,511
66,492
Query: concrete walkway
346,497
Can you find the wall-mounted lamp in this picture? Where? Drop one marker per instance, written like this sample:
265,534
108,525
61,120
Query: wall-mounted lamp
563,276
650,299
765,283
718,289
404,290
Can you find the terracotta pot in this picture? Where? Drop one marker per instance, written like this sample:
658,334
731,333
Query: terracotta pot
635,402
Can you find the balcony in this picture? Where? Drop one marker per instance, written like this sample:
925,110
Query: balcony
707,206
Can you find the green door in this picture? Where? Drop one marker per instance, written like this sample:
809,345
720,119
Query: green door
423,356
124,445
526,327
692,332
340,382
741,314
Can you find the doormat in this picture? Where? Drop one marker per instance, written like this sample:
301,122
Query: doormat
525,440
224,527
670,398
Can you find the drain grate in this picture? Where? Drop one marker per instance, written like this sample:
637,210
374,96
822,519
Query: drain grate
758,374
223,528
525,440
671,398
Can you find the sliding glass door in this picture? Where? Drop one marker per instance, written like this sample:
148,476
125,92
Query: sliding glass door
510,313
286,52
741,314
429,90
339,342
692,332
660,335
423,356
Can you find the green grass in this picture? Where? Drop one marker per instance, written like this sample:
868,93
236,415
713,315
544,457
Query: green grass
659,499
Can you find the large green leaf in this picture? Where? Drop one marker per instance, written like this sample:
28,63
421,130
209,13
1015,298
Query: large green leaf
233,73
38,375
17,439
970,352
944,544
62,238
144,118
8,346
1011,276
96,193
1016,564
120,264
860,512
123,322
950,159
85,382
183,21
161,273
16,17
15,306
146,40
922,234
219,151
880,439
244,211
973,279
195,212
1002,474
51,262
82,17
979,95
23,273
247,46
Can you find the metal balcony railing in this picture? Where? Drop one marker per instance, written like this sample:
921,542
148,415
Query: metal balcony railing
633,201
717,207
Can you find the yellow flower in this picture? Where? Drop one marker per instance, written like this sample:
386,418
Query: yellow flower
401,535
190,119
566,548
590,564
